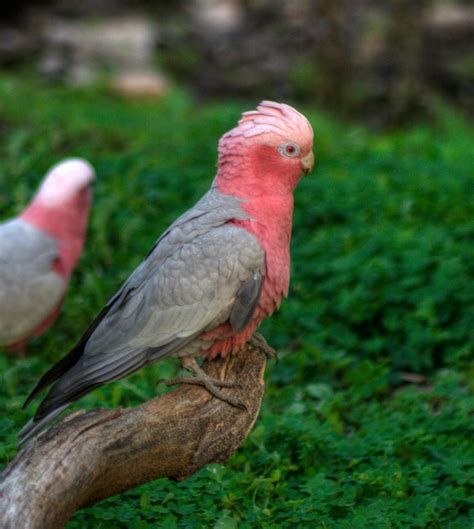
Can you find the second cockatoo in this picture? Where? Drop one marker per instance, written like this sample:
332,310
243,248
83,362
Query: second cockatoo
210,279
39,250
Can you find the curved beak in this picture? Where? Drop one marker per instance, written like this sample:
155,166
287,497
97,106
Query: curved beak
307,163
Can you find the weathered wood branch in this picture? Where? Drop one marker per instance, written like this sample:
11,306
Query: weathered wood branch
90,456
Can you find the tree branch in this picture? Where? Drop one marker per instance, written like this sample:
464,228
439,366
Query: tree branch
90,456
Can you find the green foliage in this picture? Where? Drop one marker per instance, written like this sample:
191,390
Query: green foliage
382,281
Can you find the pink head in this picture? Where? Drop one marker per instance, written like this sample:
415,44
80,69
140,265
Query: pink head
267,153
66,185
61,207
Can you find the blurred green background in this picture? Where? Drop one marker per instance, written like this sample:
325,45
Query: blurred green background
367,420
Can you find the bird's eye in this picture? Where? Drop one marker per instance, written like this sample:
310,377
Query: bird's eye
289,149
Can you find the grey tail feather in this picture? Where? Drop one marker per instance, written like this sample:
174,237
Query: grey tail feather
33,427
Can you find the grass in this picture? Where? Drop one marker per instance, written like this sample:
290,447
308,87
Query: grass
382,284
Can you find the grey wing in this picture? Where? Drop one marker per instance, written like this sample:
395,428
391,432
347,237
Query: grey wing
195,287
187,280
29,288
180,290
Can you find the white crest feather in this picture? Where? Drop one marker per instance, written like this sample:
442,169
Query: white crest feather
64,180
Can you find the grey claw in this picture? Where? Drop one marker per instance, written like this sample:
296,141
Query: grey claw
258,341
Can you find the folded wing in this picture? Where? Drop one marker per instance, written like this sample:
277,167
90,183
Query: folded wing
29,287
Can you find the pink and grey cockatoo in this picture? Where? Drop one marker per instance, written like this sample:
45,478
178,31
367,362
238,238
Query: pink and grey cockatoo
39,250
210,279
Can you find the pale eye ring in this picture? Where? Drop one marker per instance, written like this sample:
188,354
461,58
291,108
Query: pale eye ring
289,149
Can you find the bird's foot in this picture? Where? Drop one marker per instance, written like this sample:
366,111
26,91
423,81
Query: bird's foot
200,378
258,341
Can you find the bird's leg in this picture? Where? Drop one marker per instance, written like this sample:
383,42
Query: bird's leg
212,385
258,341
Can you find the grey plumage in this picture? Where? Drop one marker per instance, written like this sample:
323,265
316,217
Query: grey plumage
202,271
29,288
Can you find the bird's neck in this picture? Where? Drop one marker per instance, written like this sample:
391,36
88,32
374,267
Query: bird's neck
67,225
268,203
270,220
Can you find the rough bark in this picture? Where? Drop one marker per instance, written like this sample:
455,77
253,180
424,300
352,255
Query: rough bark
90,456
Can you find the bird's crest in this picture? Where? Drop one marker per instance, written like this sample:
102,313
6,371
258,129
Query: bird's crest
273,120
64,180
